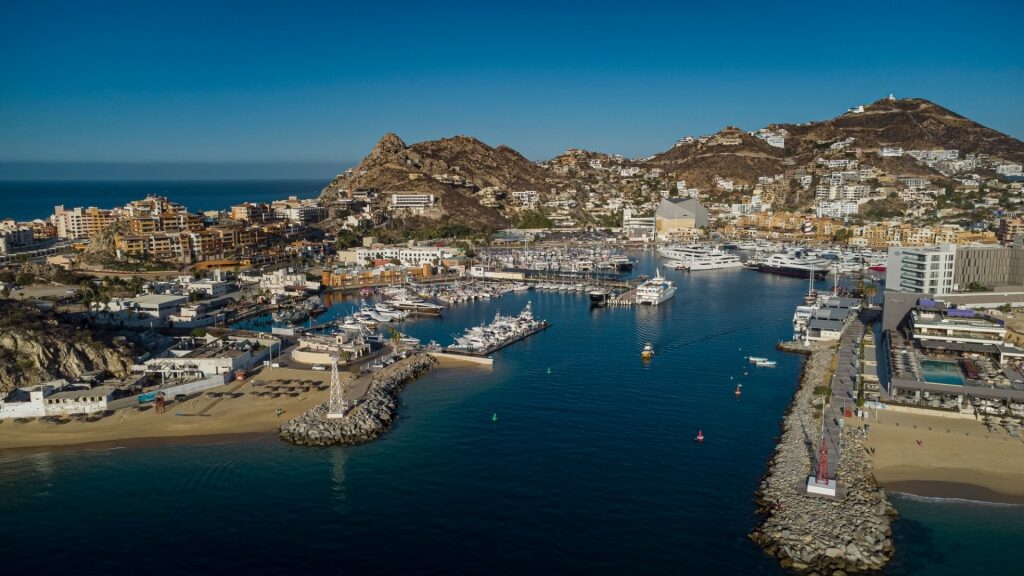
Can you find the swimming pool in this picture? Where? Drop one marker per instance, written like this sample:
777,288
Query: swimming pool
942,372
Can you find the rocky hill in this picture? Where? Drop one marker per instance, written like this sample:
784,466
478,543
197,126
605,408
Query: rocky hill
731,153
36,346
453,169
910,123
467,175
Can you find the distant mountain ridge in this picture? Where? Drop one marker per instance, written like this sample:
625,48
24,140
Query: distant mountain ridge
456,169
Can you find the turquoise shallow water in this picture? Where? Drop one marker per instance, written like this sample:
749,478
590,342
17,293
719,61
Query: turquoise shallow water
591,469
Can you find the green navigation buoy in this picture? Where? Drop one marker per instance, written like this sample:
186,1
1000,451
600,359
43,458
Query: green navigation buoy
494,417
549,370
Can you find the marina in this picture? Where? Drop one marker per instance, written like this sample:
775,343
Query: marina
450,413
501,332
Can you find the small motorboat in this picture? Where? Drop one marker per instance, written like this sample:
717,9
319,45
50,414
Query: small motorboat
738,391
647,352
700,436
756,359
765,363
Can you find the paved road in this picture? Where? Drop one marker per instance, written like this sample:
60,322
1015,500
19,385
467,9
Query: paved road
844,385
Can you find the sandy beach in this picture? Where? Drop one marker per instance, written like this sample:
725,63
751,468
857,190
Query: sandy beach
199,416
946,457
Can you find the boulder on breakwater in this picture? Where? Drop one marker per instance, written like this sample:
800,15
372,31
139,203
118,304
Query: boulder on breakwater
370,418
814,534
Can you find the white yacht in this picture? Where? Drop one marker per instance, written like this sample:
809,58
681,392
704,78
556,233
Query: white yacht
683,252
709,262
655,291
699,257
415,304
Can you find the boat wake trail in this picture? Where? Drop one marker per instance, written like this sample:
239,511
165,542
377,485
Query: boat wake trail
705,338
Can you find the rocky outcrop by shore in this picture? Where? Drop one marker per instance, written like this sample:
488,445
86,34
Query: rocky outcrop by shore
38,346
819,535
367,420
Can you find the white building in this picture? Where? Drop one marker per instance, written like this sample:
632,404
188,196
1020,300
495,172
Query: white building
48,399
407,255
302,214
158,306
927,270
14,236
287,280
414,202
1009,169
212,288
637,227
83,401
195,359
526,197
836,209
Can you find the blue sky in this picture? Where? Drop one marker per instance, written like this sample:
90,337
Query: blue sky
318,83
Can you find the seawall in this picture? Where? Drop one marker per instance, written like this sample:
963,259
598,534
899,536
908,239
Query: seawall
811,534
370,418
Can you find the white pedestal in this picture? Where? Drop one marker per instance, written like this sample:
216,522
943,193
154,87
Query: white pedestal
814,487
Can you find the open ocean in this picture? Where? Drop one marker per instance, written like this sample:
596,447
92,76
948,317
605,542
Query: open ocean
29,199
591,469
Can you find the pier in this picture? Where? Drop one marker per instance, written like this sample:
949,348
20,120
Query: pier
623,300
809,531
544,325
371,416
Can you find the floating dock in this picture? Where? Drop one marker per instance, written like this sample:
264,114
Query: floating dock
492,349
624,299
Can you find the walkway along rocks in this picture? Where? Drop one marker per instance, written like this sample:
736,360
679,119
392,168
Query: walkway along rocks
370,418
816,534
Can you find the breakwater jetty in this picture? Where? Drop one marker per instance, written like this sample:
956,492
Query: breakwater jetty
816,534
371,416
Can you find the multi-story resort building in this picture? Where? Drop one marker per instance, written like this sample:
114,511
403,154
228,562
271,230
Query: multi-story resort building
926,270
81,223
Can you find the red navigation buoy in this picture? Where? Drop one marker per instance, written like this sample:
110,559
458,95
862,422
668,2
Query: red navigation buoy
738,391
700,435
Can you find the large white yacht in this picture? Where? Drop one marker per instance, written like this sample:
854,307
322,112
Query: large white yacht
709,262
655,291
685,251
699,257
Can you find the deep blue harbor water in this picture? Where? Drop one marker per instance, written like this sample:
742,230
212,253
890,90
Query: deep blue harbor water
589,469
27,200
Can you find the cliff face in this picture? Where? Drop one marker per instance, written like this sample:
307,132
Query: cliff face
36,347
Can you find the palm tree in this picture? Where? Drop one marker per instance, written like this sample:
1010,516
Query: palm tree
869,292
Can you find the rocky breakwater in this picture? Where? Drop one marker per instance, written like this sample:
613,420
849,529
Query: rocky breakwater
370,418
815,534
